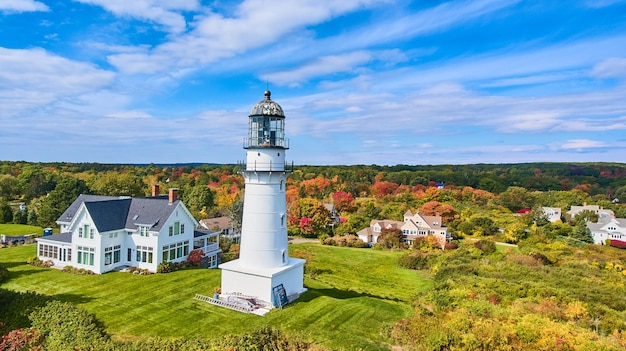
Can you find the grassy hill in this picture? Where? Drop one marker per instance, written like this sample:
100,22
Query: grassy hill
352,294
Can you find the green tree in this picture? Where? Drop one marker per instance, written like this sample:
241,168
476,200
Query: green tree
581,232
586,216
8,186
6,213
20,217
199,200
53,205
539,216
516,198
391,238
118,184
34,181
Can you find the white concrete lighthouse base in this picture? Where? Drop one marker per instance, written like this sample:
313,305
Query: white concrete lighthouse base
260,282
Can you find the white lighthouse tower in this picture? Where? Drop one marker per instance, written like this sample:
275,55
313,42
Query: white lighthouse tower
264,269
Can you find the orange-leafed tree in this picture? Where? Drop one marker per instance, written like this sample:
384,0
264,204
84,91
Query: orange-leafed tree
436,208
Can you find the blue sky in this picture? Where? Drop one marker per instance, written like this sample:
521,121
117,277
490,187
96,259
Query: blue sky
360,81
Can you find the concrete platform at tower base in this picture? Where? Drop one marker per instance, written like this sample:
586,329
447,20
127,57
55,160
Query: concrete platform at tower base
260,282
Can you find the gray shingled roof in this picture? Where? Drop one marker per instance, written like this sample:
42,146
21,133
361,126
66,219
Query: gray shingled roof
62,238
70,212
109,215
114,213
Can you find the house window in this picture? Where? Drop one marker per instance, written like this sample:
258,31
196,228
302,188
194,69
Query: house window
171,229
143,231
175,251
85,255
48,251
117,253
91,233
112,254
176,228
182,228
80,232
108,256
144,254
129,255
212,261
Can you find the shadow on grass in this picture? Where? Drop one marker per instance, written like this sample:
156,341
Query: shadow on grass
335,293
16,306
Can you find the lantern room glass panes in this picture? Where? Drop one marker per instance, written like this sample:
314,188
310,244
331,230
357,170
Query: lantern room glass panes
266,131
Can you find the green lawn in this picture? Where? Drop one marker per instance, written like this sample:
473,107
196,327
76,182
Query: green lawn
20,229
352,294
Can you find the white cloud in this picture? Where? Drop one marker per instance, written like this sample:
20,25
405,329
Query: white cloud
33,77
611,67
16,6
163,12
581,144
323,66
255,24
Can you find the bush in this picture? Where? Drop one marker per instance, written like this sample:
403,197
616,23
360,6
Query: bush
165,267
79,271
350,240
68,327
486,246
417,260
195,257
22,339
35,261
140,271
15,308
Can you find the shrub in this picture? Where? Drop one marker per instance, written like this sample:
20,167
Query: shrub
68,327
450,246
22,339
140,271
195,257
165,267
486,246
417,259
35,261
350,240
79,271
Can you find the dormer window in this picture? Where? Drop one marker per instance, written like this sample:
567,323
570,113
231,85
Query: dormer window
143,230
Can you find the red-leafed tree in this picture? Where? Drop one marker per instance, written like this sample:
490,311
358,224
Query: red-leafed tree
195,257
383,188
343,201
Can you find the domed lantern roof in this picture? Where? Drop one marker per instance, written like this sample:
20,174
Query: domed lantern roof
267,107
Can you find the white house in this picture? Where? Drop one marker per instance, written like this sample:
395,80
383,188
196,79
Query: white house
105,233
415,225
601,212
223,224
553,213
609,228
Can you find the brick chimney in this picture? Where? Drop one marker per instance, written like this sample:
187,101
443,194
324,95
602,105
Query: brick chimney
155,190
173,194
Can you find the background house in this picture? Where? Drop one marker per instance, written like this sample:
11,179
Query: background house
224,225
608,228
413,226
601,212
105,233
